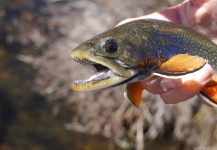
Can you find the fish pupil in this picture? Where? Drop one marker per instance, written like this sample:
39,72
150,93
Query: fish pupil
111,46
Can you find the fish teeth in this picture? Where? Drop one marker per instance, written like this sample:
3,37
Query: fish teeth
75,58
78,82
82,60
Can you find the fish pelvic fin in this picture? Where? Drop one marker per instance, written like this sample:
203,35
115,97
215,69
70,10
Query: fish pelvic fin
209,92
133,92
181,64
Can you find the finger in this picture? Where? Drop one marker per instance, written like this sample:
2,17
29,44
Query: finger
153,85
191,85
186,91
159,85
160,15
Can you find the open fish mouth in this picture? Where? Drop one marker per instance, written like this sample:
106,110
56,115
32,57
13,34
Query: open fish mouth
103,77
101,72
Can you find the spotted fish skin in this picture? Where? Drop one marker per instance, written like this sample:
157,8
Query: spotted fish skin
139,49
169,39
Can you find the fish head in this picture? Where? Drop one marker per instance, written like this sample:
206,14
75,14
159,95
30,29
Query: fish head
115,56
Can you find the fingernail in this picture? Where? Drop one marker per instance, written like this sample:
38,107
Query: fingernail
168,84
153,81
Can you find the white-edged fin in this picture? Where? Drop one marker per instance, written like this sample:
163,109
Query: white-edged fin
133,92
168,76
180,64
209,92
207,100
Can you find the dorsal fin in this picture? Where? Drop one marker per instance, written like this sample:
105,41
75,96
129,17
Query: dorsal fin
159,21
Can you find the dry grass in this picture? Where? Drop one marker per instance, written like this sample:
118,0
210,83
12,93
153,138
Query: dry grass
107,112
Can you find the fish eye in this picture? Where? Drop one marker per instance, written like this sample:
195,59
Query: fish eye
111,46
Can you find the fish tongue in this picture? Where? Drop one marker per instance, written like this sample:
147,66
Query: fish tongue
102,75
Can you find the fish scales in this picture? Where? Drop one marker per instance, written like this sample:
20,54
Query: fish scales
180,40
137,50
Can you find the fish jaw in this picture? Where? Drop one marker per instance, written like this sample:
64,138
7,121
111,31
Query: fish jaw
97,83
108,72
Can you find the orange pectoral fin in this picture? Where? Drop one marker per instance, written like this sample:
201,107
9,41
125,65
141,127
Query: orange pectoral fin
133,93
181,64
209,92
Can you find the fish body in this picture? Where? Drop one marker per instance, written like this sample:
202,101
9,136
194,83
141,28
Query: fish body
137,50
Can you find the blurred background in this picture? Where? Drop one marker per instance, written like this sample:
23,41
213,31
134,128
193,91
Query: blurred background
38,109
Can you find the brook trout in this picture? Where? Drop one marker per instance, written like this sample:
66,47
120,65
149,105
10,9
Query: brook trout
140,49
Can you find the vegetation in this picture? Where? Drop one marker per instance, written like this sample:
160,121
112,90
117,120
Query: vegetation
38,110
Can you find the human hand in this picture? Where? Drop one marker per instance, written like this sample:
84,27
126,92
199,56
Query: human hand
200,15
